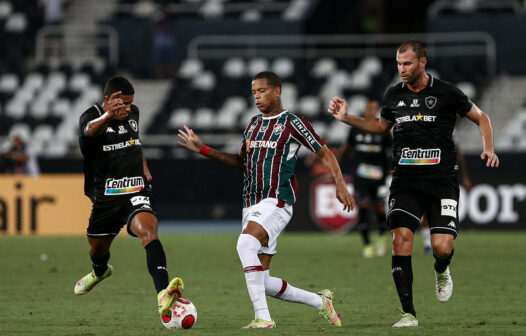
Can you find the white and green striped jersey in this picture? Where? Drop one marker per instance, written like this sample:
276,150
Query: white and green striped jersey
270,146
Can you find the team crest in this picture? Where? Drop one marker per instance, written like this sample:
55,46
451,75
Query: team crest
431,102
133,124
278,128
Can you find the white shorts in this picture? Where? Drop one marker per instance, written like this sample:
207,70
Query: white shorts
273,215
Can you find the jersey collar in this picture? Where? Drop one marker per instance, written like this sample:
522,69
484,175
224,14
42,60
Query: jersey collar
274,117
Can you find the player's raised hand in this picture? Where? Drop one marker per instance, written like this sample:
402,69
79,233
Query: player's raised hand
191,140
343,195
493,159
338,108
115,105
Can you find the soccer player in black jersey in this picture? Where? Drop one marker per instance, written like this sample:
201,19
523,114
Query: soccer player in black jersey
422,111
117,180
371,157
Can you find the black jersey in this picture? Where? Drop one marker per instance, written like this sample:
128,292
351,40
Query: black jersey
424,121
371,154
113,161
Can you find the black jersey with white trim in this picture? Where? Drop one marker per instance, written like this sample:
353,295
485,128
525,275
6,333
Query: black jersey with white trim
113,160
423,121
371,155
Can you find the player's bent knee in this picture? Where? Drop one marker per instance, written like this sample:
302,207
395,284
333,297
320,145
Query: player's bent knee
247,243
400,219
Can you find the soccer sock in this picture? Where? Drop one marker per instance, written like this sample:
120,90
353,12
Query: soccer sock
247,248
364,230
280,289
442,264
403,278
100,264
426,236
156,261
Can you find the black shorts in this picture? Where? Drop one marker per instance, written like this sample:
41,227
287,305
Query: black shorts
366,190
109,214
436,197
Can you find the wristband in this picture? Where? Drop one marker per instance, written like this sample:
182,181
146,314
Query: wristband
204,150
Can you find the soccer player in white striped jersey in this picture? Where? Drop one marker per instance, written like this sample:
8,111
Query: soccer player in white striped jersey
268,158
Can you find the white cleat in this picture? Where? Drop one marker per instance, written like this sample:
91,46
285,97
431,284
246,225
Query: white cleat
444,285
407,320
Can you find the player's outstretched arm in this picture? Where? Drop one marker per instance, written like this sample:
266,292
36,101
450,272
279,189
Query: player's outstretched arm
98,126
338,109
192,142
486,132
342,194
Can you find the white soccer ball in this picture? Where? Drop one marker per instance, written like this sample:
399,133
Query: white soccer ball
183,315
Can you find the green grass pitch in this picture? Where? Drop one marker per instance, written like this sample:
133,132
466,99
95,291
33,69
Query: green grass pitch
36,296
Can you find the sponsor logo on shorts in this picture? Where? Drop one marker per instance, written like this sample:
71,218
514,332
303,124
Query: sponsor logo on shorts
125,185
452,224
391,203
420,156
137,200
449,207
121,145
255,214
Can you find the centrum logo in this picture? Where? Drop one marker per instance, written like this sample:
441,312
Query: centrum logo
420,156
418,117
120,145
125,185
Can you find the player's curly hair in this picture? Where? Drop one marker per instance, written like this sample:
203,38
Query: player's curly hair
117,84
272,78
416,46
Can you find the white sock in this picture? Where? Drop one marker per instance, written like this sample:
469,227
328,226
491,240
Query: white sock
247,248
280,289
426,236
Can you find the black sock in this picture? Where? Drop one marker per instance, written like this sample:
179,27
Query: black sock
100,264
364,225
403,278
156,261
442,264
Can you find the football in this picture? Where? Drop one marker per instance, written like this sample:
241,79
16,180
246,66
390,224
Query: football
183,315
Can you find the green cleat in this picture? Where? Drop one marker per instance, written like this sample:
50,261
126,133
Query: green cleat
379,246
90,280
444,285
260,324
327,309
167,296
368,251
407,320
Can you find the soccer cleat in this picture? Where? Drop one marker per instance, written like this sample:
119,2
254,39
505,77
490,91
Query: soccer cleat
260,324
368,251
90,280
380,247
407,320
444,285
327,309
167,296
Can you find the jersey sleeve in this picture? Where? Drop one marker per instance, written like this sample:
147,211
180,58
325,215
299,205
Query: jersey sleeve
303,132
386,112
460,101
351,138
85,118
